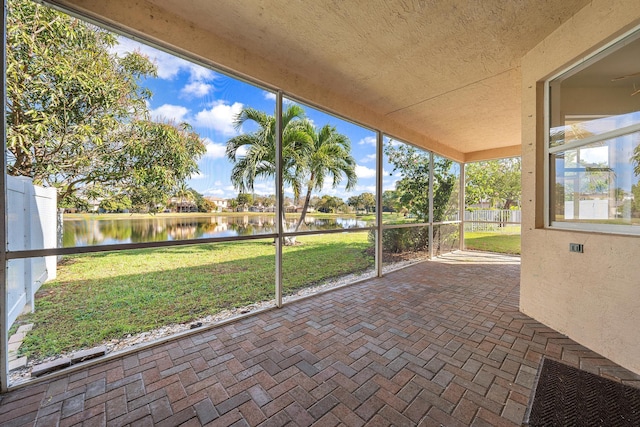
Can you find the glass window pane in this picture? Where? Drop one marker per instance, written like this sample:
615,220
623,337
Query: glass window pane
596,97
325,260
598,183
581,127
596,180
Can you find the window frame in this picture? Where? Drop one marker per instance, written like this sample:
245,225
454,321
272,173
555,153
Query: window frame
587,60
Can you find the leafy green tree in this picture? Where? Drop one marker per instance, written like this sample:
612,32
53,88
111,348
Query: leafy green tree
202,204
313,203
269,200
77,117
205,205
369,202
635,200
366,201
154,160
413,187
355,202
497,181
245,200
412,194
390,201
117,203
330,204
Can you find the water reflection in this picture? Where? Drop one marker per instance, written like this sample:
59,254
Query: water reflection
90,231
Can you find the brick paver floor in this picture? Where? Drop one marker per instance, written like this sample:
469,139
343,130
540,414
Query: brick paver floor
438,343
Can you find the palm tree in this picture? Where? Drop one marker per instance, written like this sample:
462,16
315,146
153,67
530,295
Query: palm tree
183,192
260,147
308,156
330,157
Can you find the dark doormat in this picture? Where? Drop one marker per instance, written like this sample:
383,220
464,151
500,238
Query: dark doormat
567,396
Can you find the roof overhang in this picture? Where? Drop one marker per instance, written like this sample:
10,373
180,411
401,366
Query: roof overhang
442,75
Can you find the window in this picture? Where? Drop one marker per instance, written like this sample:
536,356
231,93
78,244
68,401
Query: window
594,142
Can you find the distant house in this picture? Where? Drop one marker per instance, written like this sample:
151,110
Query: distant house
183,205
221,204
94,204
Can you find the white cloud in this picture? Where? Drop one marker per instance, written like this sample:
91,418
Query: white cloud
269,96
365,172
368,140
169,66
200,73
264,188
214,192
175,113
214,150
197,89
368,158
219,118
198,175
365,189
389,184
220,190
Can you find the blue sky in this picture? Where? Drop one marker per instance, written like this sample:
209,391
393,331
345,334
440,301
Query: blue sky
209,101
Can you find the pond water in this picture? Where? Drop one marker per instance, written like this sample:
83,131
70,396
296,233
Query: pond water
90,231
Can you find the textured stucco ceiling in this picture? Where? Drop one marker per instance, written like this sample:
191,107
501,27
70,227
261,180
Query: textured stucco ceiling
446,72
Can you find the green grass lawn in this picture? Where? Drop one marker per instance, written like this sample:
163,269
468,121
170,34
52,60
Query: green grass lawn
98,297
102,296
492,242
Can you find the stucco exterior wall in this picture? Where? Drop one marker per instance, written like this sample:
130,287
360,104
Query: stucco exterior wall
594,297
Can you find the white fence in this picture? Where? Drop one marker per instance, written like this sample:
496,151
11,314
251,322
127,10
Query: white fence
32,215
490,219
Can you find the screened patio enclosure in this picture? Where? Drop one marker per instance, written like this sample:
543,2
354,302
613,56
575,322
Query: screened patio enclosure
457,82
101,268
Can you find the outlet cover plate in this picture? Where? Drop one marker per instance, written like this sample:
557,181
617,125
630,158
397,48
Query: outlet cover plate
576,247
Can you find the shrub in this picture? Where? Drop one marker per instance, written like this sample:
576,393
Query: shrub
398,240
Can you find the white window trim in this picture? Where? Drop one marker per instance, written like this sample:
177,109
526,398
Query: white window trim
612,134
620,229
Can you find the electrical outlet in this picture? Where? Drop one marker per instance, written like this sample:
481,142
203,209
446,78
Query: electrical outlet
576,247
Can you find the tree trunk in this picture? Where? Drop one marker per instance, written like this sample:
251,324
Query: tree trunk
304,208
288,241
